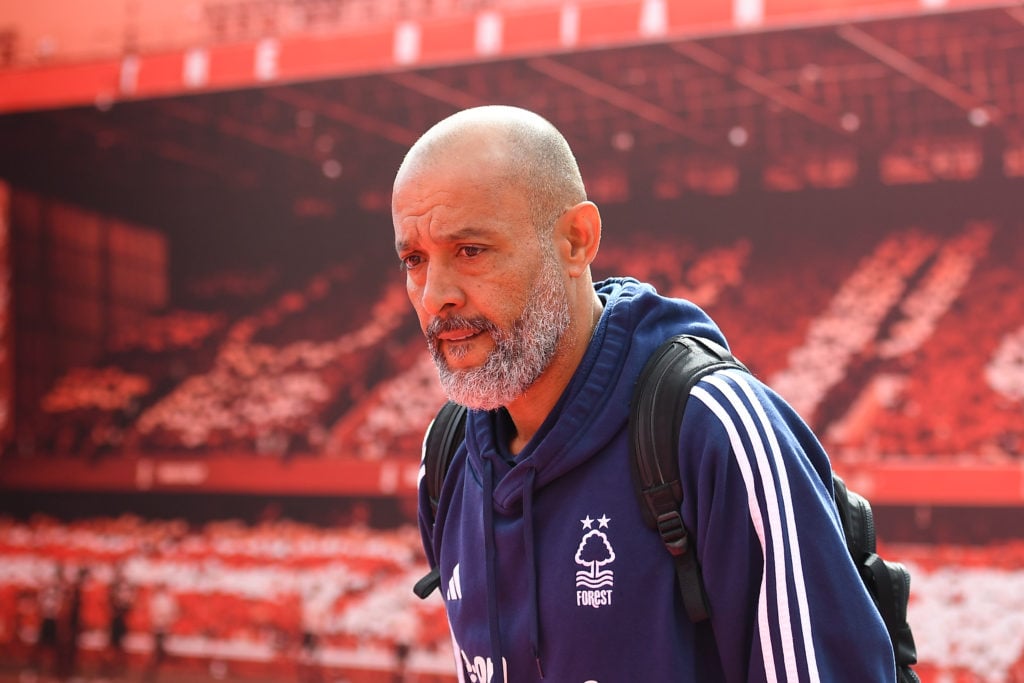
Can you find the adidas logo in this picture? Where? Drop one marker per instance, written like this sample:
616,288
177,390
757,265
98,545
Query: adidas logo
454,586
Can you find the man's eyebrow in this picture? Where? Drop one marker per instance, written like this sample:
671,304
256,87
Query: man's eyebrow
467,233
459,235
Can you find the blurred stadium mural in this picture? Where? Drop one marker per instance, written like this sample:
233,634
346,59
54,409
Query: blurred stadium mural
212,387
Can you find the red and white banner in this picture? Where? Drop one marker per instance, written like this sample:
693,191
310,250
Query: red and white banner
400,45
216,473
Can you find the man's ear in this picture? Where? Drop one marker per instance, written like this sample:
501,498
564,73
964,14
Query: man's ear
578,235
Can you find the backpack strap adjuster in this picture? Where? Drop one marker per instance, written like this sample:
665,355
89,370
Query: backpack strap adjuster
673,533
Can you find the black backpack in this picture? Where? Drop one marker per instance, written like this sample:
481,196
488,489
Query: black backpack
656,415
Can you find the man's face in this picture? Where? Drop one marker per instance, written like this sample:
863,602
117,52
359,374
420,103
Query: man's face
488,290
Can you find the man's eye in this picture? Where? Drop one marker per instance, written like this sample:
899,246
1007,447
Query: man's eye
471,251
411,261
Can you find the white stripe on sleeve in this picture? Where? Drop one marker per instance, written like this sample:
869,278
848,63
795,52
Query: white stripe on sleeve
794,537
778,504
775,530
755,517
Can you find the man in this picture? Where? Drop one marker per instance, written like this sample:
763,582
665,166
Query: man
163,613
547,569
50,600
314,613
120,601
73,624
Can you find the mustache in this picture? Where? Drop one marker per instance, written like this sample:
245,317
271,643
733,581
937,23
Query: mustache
477,324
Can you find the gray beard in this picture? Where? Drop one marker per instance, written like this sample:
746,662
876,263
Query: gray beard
520,354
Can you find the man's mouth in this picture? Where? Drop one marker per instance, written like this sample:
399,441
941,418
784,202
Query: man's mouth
454,337
458,335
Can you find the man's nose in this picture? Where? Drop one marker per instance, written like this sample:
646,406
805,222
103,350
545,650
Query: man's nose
441,290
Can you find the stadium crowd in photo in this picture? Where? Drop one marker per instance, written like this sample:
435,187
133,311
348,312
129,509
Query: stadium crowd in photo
212,386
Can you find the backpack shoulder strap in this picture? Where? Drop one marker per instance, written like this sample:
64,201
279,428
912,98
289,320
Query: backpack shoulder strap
656,415
442,439
445,433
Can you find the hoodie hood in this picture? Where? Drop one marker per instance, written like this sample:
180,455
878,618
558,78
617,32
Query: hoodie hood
594,406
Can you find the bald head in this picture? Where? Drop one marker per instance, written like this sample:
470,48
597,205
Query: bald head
521,148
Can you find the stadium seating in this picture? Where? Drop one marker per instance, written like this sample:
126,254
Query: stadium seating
856,333
245,593
242,592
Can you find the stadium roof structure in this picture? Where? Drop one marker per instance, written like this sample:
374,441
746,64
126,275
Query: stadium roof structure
692,97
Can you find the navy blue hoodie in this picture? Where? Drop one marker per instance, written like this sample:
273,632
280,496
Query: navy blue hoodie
546,564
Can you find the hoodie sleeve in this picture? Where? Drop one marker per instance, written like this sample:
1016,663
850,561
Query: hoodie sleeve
786,601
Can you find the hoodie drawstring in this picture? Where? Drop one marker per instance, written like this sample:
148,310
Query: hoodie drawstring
490,550
531,569
491,562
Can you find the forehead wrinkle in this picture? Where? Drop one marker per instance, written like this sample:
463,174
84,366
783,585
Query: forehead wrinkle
438,213
461,172
443,236
437,199
422,208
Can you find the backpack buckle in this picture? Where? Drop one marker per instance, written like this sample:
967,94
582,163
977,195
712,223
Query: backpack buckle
673,533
